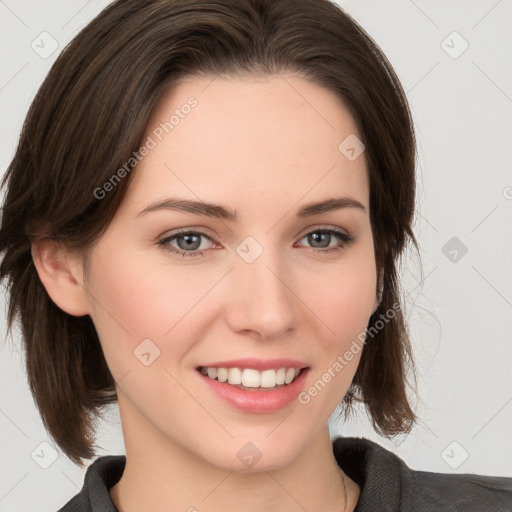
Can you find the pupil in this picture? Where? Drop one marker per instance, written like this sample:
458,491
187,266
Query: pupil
188,241
324,236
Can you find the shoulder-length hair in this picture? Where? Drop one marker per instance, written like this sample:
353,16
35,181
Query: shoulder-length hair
88,118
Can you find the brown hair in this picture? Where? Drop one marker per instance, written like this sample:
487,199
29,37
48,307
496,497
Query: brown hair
88,118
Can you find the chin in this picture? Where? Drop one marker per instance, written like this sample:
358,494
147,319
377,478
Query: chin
243,455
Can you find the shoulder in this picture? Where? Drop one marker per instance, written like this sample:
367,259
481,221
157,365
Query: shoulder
468,492
100,476
388,484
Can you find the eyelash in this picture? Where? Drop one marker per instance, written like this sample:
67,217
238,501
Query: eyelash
164,242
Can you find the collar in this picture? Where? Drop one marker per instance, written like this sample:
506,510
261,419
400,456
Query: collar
379,473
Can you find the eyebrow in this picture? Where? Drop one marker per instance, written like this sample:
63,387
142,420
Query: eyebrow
221,212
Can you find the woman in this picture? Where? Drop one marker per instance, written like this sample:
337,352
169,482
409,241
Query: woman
202,222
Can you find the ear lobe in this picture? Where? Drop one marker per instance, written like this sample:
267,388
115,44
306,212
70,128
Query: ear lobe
380,289
53,265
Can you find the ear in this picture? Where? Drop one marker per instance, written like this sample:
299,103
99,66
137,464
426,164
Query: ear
380,289
60,273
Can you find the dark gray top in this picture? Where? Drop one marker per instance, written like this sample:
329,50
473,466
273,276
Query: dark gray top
387,484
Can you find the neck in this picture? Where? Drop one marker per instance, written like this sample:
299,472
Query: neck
160,475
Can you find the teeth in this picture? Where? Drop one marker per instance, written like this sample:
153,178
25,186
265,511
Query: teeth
234,376
251,378
222,374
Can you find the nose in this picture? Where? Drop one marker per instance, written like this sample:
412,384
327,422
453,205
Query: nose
261,297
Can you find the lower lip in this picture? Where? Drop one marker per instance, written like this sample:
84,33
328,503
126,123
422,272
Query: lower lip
258,401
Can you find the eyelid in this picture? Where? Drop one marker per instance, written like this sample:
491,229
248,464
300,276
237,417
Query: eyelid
206,232
321,227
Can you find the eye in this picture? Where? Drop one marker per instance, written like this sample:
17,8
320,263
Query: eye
321,239
188,243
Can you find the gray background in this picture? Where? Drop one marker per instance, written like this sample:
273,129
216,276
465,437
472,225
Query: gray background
459,310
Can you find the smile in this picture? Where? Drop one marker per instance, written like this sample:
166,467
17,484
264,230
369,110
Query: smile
249,378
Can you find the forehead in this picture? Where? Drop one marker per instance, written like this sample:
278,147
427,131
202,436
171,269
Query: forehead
237,139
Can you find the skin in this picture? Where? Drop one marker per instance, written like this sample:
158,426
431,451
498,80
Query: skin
264,146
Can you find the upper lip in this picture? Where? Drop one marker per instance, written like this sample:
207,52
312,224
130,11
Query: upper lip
257,364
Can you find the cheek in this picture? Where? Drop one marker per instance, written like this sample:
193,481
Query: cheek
147,299
343,309
342,297
134,299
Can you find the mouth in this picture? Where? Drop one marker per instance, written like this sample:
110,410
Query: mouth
251,379
266,389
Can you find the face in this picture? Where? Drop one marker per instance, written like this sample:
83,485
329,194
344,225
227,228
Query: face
174,287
